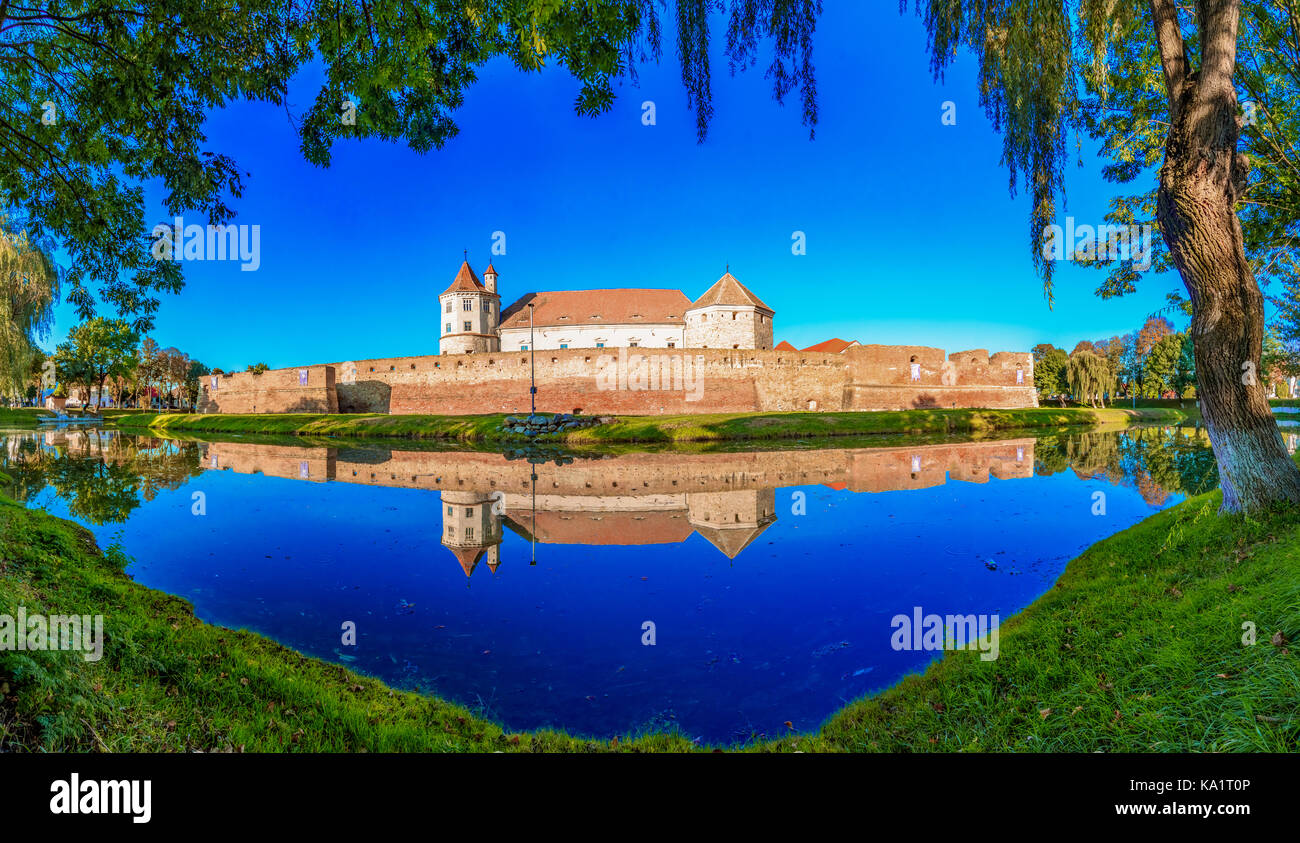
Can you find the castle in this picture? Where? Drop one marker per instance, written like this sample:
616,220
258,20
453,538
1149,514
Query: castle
728,315
632,352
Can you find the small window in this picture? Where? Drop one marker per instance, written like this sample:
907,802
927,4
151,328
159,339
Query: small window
467,304
672,345
523,348
487,307
448,331
469,534
564,345
469,326
448,307
469,513
633,344
600,345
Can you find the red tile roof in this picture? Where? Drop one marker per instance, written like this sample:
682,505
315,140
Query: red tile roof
785,346
465,282
727,290
619,527
598,307
834,346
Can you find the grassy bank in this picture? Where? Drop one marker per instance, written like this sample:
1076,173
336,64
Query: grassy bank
1137,648
659,429
21,417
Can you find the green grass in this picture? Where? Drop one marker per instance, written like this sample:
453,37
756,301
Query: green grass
661,429
1137,648
21,417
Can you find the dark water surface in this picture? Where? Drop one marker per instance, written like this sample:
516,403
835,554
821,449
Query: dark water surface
770,578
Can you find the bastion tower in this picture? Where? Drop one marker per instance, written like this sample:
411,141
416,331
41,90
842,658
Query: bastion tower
728,315
470,311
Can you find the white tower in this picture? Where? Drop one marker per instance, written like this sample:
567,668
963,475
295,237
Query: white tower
469,314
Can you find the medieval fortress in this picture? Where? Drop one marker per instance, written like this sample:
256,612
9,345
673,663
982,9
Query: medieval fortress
630,351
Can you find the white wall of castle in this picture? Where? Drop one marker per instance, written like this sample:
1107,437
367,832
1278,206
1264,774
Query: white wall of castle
595,336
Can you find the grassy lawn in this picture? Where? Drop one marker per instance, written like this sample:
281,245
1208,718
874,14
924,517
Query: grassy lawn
1137,648
659,429
24,417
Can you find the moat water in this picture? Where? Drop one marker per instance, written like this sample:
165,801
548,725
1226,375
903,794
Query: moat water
526,586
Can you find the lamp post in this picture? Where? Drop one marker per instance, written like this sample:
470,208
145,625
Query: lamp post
532,355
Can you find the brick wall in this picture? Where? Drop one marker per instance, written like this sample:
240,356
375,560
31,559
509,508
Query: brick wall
642,381
274,391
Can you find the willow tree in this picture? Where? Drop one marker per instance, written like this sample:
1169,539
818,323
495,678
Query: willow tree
29,289
1090,378
1050,72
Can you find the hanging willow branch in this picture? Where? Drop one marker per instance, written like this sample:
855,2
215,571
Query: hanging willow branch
29,289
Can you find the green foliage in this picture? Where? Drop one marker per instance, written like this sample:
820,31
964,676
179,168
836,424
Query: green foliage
1050,365
101,96
1161,365
29,289
1090,377
95,351
1278,360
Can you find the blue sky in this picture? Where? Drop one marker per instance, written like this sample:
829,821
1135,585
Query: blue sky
912,235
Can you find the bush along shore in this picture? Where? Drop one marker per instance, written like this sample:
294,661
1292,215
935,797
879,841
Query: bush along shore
587,430
1177,634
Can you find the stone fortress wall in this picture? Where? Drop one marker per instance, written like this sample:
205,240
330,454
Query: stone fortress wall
639,381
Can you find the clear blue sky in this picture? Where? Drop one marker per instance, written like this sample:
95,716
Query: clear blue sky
912,235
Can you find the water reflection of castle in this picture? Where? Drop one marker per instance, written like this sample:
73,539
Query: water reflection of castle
729,499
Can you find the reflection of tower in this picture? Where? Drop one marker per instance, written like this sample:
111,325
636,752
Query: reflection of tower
471,530
731,520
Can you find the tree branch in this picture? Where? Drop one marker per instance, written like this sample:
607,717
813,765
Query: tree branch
1173,51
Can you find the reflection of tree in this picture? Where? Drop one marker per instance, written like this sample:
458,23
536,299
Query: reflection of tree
102,476
1155,461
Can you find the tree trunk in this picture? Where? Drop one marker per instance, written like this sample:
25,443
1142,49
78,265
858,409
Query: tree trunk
1201,180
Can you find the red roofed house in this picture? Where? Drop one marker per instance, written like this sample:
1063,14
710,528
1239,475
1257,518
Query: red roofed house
728,315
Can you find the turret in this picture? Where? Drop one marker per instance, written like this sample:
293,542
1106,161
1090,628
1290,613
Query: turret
728,315
469,314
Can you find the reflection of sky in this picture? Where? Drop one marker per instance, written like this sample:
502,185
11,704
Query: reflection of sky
794,626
